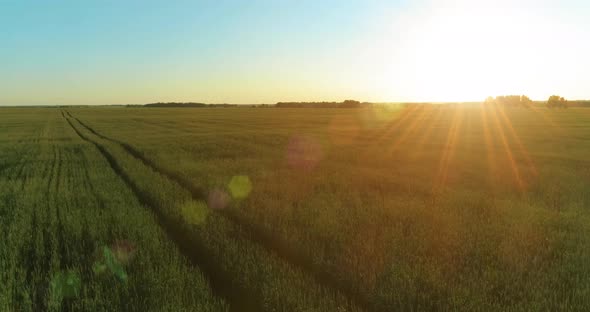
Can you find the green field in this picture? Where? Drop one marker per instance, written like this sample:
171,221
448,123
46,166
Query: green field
388,208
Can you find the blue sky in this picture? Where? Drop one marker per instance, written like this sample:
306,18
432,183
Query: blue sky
105,52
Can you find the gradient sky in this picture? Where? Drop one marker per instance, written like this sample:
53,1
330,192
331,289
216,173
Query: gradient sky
111,52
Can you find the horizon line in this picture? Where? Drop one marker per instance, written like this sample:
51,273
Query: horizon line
262,103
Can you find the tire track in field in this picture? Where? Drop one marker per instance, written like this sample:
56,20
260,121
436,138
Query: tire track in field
45,261
98,198
22,271
221,284
20,265
37,261
197,193
71,257
18,166
270,242
42,289
21,173
87,242
64,257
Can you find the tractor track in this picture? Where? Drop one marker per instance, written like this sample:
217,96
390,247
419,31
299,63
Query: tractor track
269,241
221,284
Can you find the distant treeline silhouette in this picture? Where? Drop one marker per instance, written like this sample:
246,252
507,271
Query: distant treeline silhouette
510,100
554,101
345,104
504,100
187,104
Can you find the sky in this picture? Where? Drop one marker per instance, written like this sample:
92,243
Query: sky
249,52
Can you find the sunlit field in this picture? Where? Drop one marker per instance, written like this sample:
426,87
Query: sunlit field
384,208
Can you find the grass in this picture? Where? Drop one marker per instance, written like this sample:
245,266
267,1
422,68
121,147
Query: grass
449,207
63,213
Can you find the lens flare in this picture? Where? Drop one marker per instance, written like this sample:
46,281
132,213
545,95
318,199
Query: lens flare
124,251
240,186
303,153
109,263
65,285
194,212
218,199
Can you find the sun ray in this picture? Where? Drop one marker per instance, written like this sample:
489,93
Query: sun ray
390,128
490,150
522,149
506,146
428,132
408,130
449,150
396,123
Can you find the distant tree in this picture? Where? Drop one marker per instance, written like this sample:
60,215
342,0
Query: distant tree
525,101
176,104
510,100
555,101
350,103
513,100
345,104
490,100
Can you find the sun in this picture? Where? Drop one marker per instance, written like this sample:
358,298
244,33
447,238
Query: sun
467,50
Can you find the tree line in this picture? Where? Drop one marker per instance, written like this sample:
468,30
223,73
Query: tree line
554,101
344,104
187,104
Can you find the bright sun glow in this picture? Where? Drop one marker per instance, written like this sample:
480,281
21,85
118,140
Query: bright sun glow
282,51
466,50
